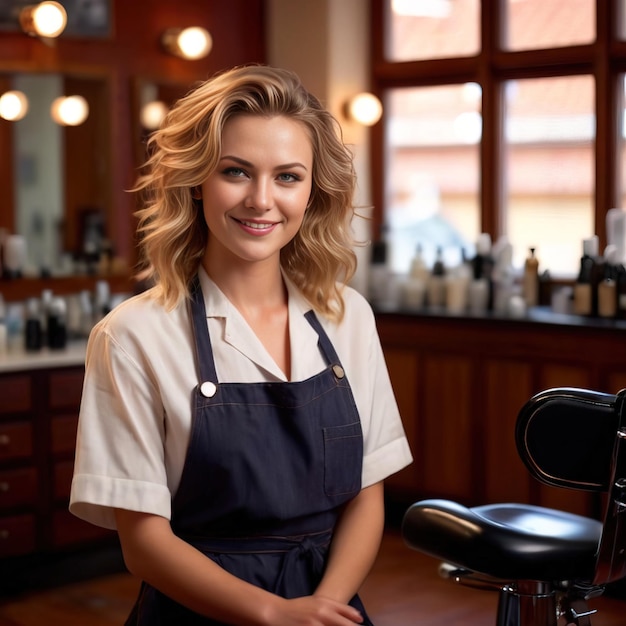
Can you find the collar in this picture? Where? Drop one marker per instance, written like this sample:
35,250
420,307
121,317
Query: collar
238,334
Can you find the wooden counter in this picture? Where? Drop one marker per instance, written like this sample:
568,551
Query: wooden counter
39,403
460,382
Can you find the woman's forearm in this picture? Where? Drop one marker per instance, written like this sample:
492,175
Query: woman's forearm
154,554
355,545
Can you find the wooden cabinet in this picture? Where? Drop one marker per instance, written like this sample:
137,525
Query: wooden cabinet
38,420
460,383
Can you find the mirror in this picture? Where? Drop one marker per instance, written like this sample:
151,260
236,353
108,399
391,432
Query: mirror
59,177
151,99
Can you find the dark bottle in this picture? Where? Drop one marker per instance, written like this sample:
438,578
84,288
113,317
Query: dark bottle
33,331
57,324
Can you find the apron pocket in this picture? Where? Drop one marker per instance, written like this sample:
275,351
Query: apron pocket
343,459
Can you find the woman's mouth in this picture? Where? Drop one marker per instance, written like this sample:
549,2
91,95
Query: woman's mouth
256,228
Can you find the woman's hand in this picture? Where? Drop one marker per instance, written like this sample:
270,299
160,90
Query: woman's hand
312,611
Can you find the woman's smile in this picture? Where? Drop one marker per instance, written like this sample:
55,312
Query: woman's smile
256,228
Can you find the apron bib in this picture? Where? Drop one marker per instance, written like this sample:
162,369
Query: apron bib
268,468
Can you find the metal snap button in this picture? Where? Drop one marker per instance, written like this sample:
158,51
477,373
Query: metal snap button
208,389
338,371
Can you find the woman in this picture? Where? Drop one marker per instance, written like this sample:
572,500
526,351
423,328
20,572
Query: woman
218,431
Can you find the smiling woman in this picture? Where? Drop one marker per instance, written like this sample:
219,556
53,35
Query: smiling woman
226,506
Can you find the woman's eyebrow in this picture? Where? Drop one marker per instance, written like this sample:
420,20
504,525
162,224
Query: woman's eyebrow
283,166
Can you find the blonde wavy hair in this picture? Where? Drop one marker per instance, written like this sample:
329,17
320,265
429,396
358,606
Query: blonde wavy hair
186,149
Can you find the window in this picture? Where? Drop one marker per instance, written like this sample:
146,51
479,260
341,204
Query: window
516,130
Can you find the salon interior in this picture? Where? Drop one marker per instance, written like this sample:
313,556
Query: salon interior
494,261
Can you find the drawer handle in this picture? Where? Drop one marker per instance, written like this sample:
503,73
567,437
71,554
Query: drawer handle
5,440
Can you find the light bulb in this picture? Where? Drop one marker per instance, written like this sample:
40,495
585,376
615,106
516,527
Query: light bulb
46,19
152,114
13,105
188,43
365,108
69,110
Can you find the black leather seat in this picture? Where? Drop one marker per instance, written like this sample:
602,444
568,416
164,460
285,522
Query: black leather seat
545,563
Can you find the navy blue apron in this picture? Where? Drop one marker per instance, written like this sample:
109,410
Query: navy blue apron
268,469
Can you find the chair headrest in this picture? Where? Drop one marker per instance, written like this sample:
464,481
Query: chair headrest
566,436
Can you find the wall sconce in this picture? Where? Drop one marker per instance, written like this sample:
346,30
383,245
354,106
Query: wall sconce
364,108
46,19
152,114
69,110
187,43
13,105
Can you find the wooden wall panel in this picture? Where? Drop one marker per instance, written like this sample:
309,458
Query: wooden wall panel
508,385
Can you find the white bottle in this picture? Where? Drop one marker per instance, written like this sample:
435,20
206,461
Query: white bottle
4,335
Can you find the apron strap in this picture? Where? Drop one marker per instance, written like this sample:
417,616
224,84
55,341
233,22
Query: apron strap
204,351
324,342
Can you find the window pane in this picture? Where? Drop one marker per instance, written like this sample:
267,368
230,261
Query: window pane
550,132
432,138
532,24
429,29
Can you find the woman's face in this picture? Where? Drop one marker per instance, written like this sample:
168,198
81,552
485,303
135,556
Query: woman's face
254,202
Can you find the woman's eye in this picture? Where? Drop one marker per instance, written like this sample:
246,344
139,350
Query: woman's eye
288,178
234,171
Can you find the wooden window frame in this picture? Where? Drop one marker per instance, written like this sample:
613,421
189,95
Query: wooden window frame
604,59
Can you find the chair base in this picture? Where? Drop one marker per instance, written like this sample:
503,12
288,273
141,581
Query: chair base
530,603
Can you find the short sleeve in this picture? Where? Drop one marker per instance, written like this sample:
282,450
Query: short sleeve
120,442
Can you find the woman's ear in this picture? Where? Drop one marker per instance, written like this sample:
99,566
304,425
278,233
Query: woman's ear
196,192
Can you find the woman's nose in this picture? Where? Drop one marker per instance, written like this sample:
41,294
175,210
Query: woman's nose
260,196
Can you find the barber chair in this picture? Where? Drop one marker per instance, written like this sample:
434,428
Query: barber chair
545,564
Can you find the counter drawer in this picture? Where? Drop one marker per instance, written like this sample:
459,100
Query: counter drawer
64,433
17,535
16,393
18,487
66,388
16,440
63,473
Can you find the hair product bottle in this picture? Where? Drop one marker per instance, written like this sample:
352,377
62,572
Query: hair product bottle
530,280
607,288
583,287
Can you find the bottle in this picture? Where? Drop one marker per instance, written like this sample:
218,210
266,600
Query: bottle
436,288
530,281
607,288
415,285
33,331
481,286
620,288
503,276
584,289
379,277
4,335
57,324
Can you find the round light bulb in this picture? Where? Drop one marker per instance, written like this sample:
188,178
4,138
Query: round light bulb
69,110
49,19
195,42
152,114
13,105
366,109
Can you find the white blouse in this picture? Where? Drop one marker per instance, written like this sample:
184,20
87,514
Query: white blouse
135,416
